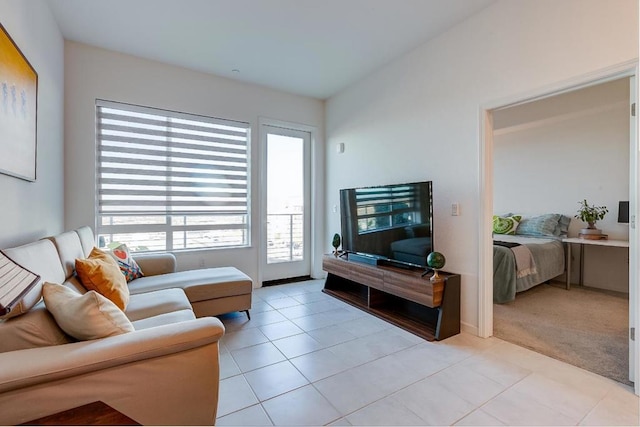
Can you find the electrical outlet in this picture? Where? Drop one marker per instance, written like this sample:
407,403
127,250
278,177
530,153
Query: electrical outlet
455,209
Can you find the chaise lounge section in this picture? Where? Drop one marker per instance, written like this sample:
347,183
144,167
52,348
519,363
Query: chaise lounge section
211,291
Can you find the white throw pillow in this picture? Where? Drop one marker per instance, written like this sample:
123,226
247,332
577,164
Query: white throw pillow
84,317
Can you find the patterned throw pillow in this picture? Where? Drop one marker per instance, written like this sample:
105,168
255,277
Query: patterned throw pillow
127,264
506,225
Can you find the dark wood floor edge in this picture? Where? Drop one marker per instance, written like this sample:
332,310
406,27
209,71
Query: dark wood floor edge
286,280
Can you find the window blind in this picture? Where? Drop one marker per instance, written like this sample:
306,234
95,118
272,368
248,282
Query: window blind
153,162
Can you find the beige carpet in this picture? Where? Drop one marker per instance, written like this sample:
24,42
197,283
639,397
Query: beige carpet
583,326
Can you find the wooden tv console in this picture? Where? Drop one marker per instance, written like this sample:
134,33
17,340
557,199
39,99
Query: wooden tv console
400,296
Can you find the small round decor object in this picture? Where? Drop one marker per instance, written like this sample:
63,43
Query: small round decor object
436,260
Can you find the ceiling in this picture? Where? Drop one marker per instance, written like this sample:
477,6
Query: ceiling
308,47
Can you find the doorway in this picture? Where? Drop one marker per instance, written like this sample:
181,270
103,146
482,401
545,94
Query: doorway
286,190
485,320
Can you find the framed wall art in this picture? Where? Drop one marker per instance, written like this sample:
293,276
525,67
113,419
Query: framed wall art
18,111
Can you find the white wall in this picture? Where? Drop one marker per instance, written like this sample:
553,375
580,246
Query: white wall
31,210
93,73
418,117
552,153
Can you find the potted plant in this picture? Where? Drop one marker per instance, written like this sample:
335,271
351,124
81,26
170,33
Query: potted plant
336,244
590,215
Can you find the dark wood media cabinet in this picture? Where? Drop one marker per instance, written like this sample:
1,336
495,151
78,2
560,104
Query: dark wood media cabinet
400,296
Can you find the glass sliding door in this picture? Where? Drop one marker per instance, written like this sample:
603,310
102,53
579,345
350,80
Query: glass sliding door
286,199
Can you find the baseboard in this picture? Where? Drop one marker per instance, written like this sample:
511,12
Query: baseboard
468,328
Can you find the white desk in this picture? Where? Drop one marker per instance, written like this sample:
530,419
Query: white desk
582,242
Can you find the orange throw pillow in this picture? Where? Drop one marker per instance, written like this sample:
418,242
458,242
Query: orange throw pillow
100,272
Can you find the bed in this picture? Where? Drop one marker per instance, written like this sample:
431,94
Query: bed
544,251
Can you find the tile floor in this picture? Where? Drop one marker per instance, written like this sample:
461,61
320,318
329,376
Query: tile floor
306,358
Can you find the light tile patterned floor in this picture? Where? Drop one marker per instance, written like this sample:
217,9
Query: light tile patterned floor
306,358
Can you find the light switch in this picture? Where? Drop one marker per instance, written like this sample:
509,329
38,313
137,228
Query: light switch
455,209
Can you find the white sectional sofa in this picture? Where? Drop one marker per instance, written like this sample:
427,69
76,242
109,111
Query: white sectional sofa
166,372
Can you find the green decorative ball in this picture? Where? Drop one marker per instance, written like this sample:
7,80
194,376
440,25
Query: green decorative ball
436,260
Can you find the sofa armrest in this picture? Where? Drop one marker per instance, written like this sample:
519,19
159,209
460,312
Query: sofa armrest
155,264
24,368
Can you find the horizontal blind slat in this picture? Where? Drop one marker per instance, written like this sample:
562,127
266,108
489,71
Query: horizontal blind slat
239,147
177,212
168,123
174,173
165,183
132,228
172,193
105,128
175,154
104,106
168,164
194,203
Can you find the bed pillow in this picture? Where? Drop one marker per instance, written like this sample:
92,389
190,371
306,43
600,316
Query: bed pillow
543,225
506,225
562,229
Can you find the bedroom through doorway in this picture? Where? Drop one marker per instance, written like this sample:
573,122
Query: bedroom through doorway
549,154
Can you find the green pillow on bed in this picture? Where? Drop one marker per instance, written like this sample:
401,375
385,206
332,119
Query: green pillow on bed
506,225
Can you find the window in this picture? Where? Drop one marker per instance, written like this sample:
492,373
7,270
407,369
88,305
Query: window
169,180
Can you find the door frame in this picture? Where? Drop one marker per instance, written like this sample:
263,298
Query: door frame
313,184
485,202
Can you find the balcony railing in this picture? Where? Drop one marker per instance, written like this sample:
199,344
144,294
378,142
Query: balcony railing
285,240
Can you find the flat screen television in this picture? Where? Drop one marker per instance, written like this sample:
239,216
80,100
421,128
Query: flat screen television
389,222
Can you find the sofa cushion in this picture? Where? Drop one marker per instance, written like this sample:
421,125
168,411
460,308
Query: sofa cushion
37,328
156,263
84,317
74,283
69,248
100,273
87,240
164,319
199,285
41,258
149,304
